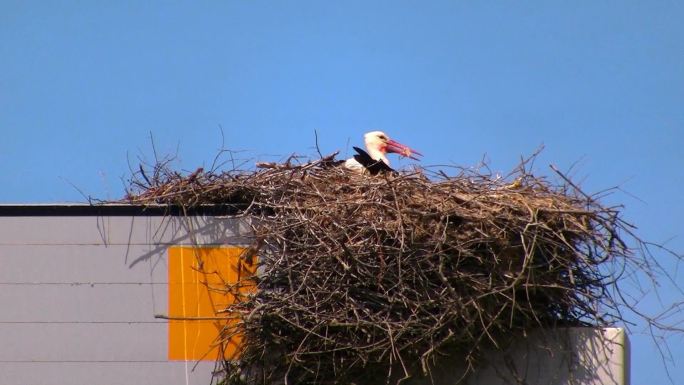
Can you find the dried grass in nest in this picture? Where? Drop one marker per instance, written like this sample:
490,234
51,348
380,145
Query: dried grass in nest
373,277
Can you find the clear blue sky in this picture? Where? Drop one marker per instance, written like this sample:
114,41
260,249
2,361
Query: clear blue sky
601,83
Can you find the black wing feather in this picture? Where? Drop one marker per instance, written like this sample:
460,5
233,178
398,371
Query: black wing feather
373,166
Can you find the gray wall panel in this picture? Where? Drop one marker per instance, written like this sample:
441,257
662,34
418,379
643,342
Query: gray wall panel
121,230
83,342
105,373
99,302
83,264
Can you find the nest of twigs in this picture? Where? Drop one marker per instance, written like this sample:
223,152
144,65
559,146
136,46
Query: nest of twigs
369,279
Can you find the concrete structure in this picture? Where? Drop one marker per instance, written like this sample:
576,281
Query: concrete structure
80,287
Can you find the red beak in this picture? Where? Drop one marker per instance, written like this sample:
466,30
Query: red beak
403,150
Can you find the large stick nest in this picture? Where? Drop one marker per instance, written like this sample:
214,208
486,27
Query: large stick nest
380,275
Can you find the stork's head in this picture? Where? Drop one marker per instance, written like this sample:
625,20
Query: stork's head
378,141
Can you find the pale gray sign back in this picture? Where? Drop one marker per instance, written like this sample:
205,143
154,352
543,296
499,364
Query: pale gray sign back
78,295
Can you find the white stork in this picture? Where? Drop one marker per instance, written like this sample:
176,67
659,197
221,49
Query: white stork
374,159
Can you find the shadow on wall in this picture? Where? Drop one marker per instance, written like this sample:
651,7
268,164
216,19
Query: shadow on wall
566,356
192,231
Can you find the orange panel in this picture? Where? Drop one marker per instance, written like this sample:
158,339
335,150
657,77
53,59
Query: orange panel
199,290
